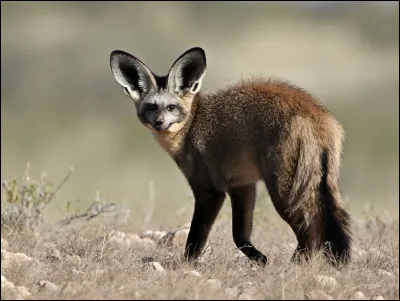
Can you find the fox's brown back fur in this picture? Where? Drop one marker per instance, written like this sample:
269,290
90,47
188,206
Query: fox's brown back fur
252,120
270,130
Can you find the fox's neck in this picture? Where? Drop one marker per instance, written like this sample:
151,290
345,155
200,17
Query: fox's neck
174,141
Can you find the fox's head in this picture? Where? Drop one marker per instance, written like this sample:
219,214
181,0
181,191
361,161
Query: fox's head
162,102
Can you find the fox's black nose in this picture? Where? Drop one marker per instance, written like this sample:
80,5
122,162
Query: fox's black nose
159,122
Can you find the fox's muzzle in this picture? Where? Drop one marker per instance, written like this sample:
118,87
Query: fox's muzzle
160,125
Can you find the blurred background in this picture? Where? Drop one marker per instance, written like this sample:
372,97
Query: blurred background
61,107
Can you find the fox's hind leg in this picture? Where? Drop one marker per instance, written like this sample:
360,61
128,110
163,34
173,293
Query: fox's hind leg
297,220
243,200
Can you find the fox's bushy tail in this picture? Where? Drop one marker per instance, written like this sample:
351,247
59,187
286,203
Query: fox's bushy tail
316,206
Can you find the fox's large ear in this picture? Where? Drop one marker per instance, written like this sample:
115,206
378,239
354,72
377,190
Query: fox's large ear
186,74
133,75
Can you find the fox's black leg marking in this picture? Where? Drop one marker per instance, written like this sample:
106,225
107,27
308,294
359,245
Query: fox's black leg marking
207,206
243,201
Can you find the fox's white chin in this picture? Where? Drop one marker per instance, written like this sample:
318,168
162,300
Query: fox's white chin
162,128
171,128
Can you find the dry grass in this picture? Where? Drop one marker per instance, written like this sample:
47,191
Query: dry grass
90,265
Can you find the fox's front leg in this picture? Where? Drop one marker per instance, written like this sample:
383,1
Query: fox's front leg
206,208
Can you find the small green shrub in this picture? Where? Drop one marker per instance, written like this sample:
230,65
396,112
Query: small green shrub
25,200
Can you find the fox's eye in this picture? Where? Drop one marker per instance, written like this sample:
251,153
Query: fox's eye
171,107
151,107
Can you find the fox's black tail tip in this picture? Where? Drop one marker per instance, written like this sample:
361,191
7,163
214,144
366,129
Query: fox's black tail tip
337,221
338,239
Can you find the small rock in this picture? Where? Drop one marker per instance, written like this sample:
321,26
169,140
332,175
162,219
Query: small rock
10,291
4,244
207,251
47,286
12,261
359,296
176,237
239,255
6,284
358,253
318,295
147,242
131,239
201,261
247,284
154,235
156,266
99,272
15,256
192,273
385,273
245,296
213,283
116,236
248,288
378,298
148,234
22,293
3,280
326,281
159,234
376,253
121,238
180,237
74,260
76,272
86,284
232,292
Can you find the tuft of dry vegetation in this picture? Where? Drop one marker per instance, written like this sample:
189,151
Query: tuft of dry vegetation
116,261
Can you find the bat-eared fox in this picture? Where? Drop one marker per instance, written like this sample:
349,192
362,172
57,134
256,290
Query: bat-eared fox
225,141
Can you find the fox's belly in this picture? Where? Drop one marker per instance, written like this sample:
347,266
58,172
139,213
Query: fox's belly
240,172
